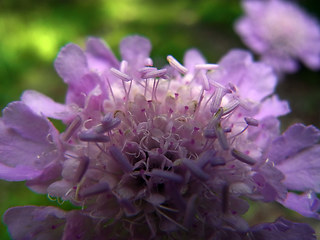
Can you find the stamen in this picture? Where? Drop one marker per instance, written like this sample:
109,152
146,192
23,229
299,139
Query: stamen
148,62
251,121
110,87
230,106
221,137
92,136
176,65
108,122
155,73
120,158
123,66
242,157
207,66
124,77
217,98
74,125
171,176
195,169
82,168
205,81
145,70
217,161
96,189
206,158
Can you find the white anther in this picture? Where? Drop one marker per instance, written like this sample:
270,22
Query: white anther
121,75
155,73
175,64
123,66
207,66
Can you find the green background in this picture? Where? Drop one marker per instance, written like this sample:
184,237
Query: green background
32,32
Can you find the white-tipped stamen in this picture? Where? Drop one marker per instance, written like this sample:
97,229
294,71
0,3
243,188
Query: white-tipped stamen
121,75
148,62
176,65
206,66
243,157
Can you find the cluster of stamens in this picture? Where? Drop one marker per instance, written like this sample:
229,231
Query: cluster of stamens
168,134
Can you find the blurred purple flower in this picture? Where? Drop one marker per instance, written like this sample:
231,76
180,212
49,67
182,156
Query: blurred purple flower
282,33
151,153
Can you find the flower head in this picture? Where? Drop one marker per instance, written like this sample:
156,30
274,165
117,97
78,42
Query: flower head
282,33
149,152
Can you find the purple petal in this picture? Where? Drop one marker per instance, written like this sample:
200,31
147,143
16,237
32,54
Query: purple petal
191,58
274,107
283,230
78,227
293,140
257,90
302,170
71,63
135,49
43,105
25,122
26,140
79,91
99,55
306,204
49,174
19,173
31,222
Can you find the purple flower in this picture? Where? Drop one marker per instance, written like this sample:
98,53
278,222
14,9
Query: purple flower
282,33
154,153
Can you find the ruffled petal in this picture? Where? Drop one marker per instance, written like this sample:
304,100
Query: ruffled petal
99,55
35,223
191,58
302,170
26,141
258,82
43,105
293,140
71,63
283,229
306,204
78,227
135,49
274,107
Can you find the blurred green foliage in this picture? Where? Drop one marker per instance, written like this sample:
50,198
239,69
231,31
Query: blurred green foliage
32,32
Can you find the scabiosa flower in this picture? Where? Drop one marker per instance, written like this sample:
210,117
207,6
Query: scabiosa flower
154,153
282,33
